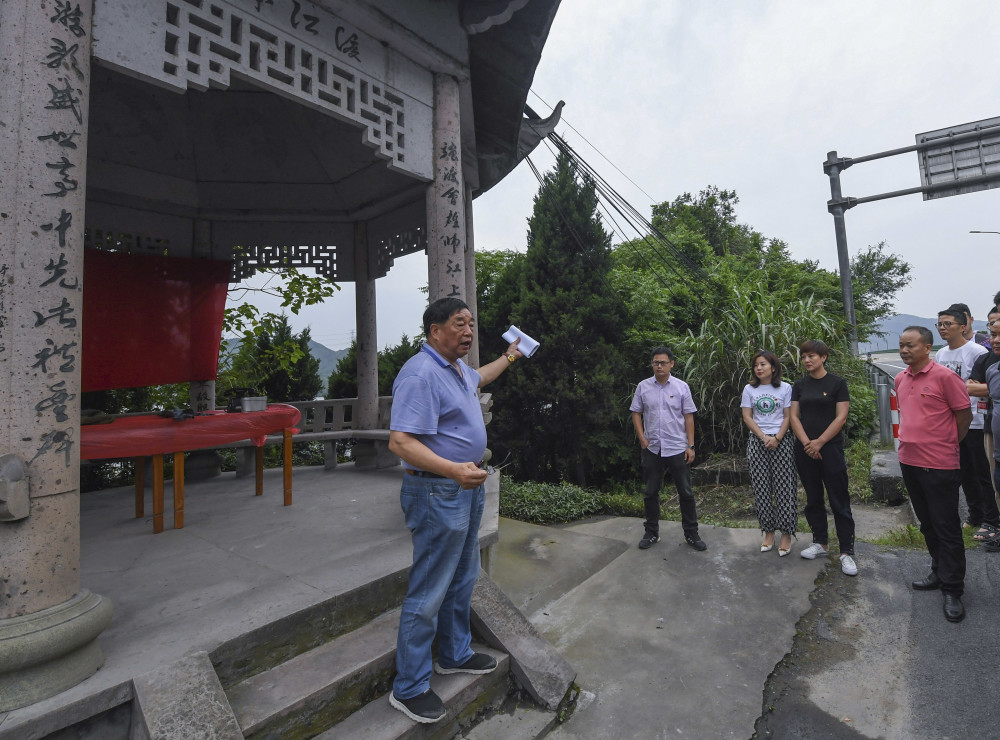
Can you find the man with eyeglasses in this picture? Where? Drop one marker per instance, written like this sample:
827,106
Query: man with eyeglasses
970,332
980,390
663,416
960,355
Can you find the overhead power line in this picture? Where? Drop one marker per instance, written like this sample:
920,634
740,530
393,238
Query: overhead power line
564,120
652,236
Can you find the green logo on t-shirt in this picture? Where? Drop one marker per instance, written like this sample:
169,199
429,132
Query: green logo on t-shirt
766,404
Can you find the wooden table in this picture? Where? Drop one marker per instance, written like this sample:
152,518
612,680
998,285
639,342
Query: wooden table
156,436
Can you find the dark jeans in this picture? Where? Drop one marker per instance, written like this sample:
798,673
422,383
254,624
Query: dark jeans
653,469
976,484
934,495
830,472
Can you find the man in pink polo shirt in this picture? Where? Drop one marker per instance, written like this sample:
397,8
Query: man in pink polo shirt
934,415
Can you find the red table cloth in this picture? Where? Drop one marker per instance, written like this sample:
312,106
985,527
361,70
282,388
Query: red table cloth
139,436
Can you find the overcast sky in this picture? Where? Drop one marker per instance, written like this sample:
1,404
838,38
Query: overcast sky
750,96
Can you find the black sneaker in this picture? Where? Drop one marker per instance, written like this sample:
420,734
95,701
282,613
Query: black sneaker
696,542
648,541
425,708
479,663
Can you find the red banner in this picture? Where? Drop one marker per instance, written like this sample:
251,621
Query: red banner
150,320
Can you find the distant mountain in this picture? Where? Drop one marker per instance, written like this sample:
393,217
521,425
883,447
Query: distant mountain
894,325
328,359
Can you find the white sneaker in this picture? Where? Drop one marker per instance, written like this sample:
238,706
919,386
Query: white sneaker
848,565
813,551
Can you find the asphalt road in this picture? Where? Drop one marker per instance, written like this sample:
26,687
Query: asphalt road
875,659
889,362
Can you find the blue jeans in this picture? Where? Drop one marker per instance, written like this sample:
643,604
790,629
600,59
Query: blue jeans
444,521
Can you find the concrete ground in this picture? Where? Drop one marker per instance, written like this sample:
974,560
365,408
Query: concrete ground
734,643
668,642
240,561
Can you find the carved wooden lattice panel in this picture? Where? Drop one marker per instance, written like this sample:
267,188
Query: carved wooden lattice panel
398,245
322,259
207,41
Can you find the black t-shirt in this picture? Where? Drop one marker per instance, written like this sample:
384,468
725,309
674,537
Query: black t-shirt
979,375
818,401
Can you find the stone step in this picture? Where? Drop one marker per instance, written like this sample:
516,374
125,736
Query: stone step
466,698
314,690
524,721
281,640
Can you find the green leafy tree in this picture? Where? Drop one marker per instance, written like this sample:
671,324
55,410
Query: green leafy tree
876,279
278,364
243,322
343,381
498,287
712,214
562,414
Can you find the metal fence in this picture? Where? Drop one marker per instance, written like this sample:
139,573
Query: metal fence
882,382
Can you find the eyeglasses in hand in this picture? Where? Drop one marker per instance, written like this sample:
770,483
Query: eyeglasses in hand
491,469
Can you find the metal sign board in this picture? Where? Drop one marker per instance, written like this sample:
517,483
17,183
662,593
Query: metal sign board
952,162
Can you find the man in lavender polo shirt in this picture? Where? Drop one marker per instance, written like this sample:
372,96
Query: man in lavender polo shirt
437,430
663,416
934,415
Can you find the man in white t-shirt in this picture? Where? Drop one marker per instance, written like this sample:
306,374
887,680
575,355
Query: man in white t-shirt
960,355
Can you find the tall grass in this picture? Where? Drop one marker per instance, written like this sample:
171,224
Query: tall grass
716,360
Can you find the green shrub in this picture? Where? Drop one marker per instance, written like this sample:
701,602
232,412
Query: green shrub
546,503
622,503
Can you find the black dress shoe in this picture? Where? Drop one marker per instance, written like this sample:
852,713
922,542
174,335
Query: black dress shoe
953,609
930,583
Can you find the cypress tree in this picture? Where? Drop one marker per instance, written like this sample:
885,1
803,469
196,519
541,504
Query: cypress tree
562,413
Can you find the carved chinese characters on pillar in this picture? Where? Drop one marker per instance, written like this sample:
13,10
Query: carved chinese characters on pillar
53,322
452,235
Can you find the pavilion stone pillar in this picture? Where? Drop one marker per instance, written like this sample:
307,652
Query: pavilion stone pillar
446,233
48,624
470,276
365,414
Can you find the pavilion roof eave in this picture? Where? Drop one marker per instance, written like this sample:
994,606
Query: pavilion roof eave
503,58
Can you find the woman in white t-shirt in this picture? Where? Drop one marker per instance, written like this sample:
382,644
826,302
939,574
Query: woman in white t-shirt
766,403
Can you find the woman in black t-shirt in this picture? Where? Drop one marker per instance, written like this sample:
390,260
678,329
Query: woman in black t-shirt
820,402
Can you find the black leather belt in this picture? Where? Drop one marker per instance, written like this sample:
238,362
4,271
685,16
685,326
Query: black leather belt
427,474
422,473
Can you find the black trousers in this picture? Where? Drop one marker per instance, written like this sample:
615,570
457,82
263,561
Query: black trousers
653,469
831,473
976,483
934,495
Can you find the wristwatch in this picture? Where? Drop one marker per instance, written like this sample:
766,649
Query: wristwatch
690,447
